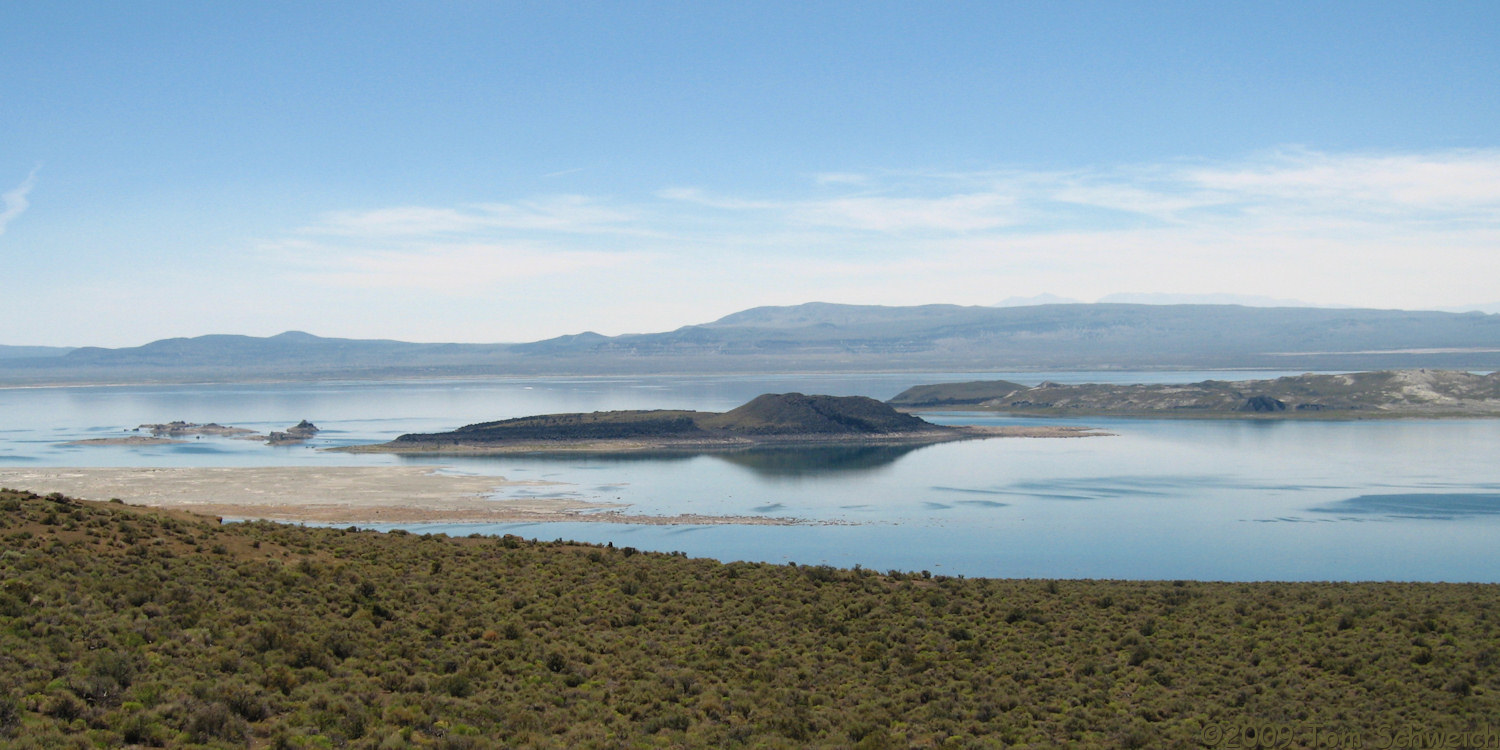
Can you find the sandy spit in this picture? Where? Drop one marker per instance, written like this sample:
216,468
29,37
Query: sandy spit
341,494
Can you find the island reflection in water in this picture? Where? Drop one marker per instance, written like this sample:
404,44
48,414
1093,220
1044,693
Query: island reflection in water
781,461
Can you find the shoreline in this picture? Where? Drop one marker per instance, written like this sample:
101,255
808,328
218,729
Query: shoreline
340,495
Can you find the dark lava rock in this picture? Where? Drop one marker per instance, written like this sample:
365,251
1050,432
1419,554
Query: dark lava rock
1263,404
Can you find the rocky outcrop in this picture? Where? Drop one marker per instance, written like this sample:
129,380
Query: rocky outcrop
1263,404
298,433
180,428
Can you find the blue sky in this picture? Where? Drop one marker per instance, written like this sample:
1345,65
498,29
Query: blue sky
472,171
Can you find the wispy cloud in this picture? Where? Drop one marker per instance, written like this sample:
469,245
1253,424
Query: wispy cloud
841,178
966,212
698,197
1403,229
470,249
14,200
873,212
1397,229
1446,183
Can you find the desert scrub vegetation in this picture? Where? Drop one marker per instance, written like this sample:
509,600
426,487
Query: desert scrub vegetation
126,626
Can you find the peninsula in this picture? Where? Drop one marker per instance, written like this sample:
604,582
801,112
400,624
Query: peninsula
1361,395
770,419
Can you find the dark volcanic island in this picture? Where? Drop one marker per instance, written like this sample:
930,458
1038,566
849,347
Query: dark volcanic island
771,419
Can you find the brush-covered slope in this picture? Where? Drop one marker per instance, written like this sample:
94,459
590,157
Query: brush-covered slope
125,627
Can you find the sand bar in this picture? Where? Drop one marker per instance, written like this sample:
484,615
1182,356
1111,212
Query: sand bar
129,440
337,494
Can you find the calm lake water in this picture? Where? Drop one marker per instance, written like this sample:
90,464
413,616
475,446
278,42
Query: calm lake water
1209,500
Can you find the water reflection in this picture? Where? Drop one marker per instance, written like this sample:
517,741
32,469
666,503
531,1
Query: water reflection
781,462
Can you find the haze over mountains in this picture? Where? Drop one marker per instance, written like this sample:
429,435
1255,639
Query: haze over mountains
833,337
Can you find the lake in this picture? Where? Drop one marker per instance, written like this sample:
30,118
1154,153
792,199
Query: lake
1162,499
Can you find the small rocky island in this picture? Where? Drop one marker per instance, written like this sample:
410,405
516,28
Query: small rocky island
771,419
1360,395
298,433
172,433
180,428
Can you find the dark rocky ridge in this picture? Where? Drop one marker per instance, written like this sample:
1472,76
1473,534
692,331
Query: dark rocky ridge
773,417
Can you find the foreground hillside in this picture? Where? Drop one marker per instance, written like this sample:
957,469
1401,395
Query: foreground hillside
121,626
1391,393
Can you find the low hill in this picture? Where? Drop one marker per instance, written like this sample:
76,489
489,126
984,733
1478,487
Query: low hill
122,627
954,394
797,414
1400,393
292,355
783,417
32,352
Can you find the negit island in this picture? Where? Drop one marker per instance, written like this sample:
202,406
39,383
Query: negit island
770,419
1384,394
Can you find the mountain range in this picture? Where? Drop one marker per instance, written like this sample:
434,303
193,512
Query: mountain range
831,337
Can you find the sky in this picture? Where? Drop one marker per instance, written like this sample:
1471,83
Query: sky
511,171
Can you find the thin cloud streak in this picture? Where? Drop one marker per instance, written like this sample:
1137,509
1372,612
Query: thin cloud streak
565,214
15,202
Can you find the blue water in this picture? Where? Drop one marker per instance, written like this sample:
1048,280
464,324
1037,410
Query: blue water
1200,499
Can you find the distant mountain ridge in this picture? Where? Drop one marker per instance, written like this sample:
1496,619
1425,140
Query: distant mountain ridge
1069,336
293,355
832,337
